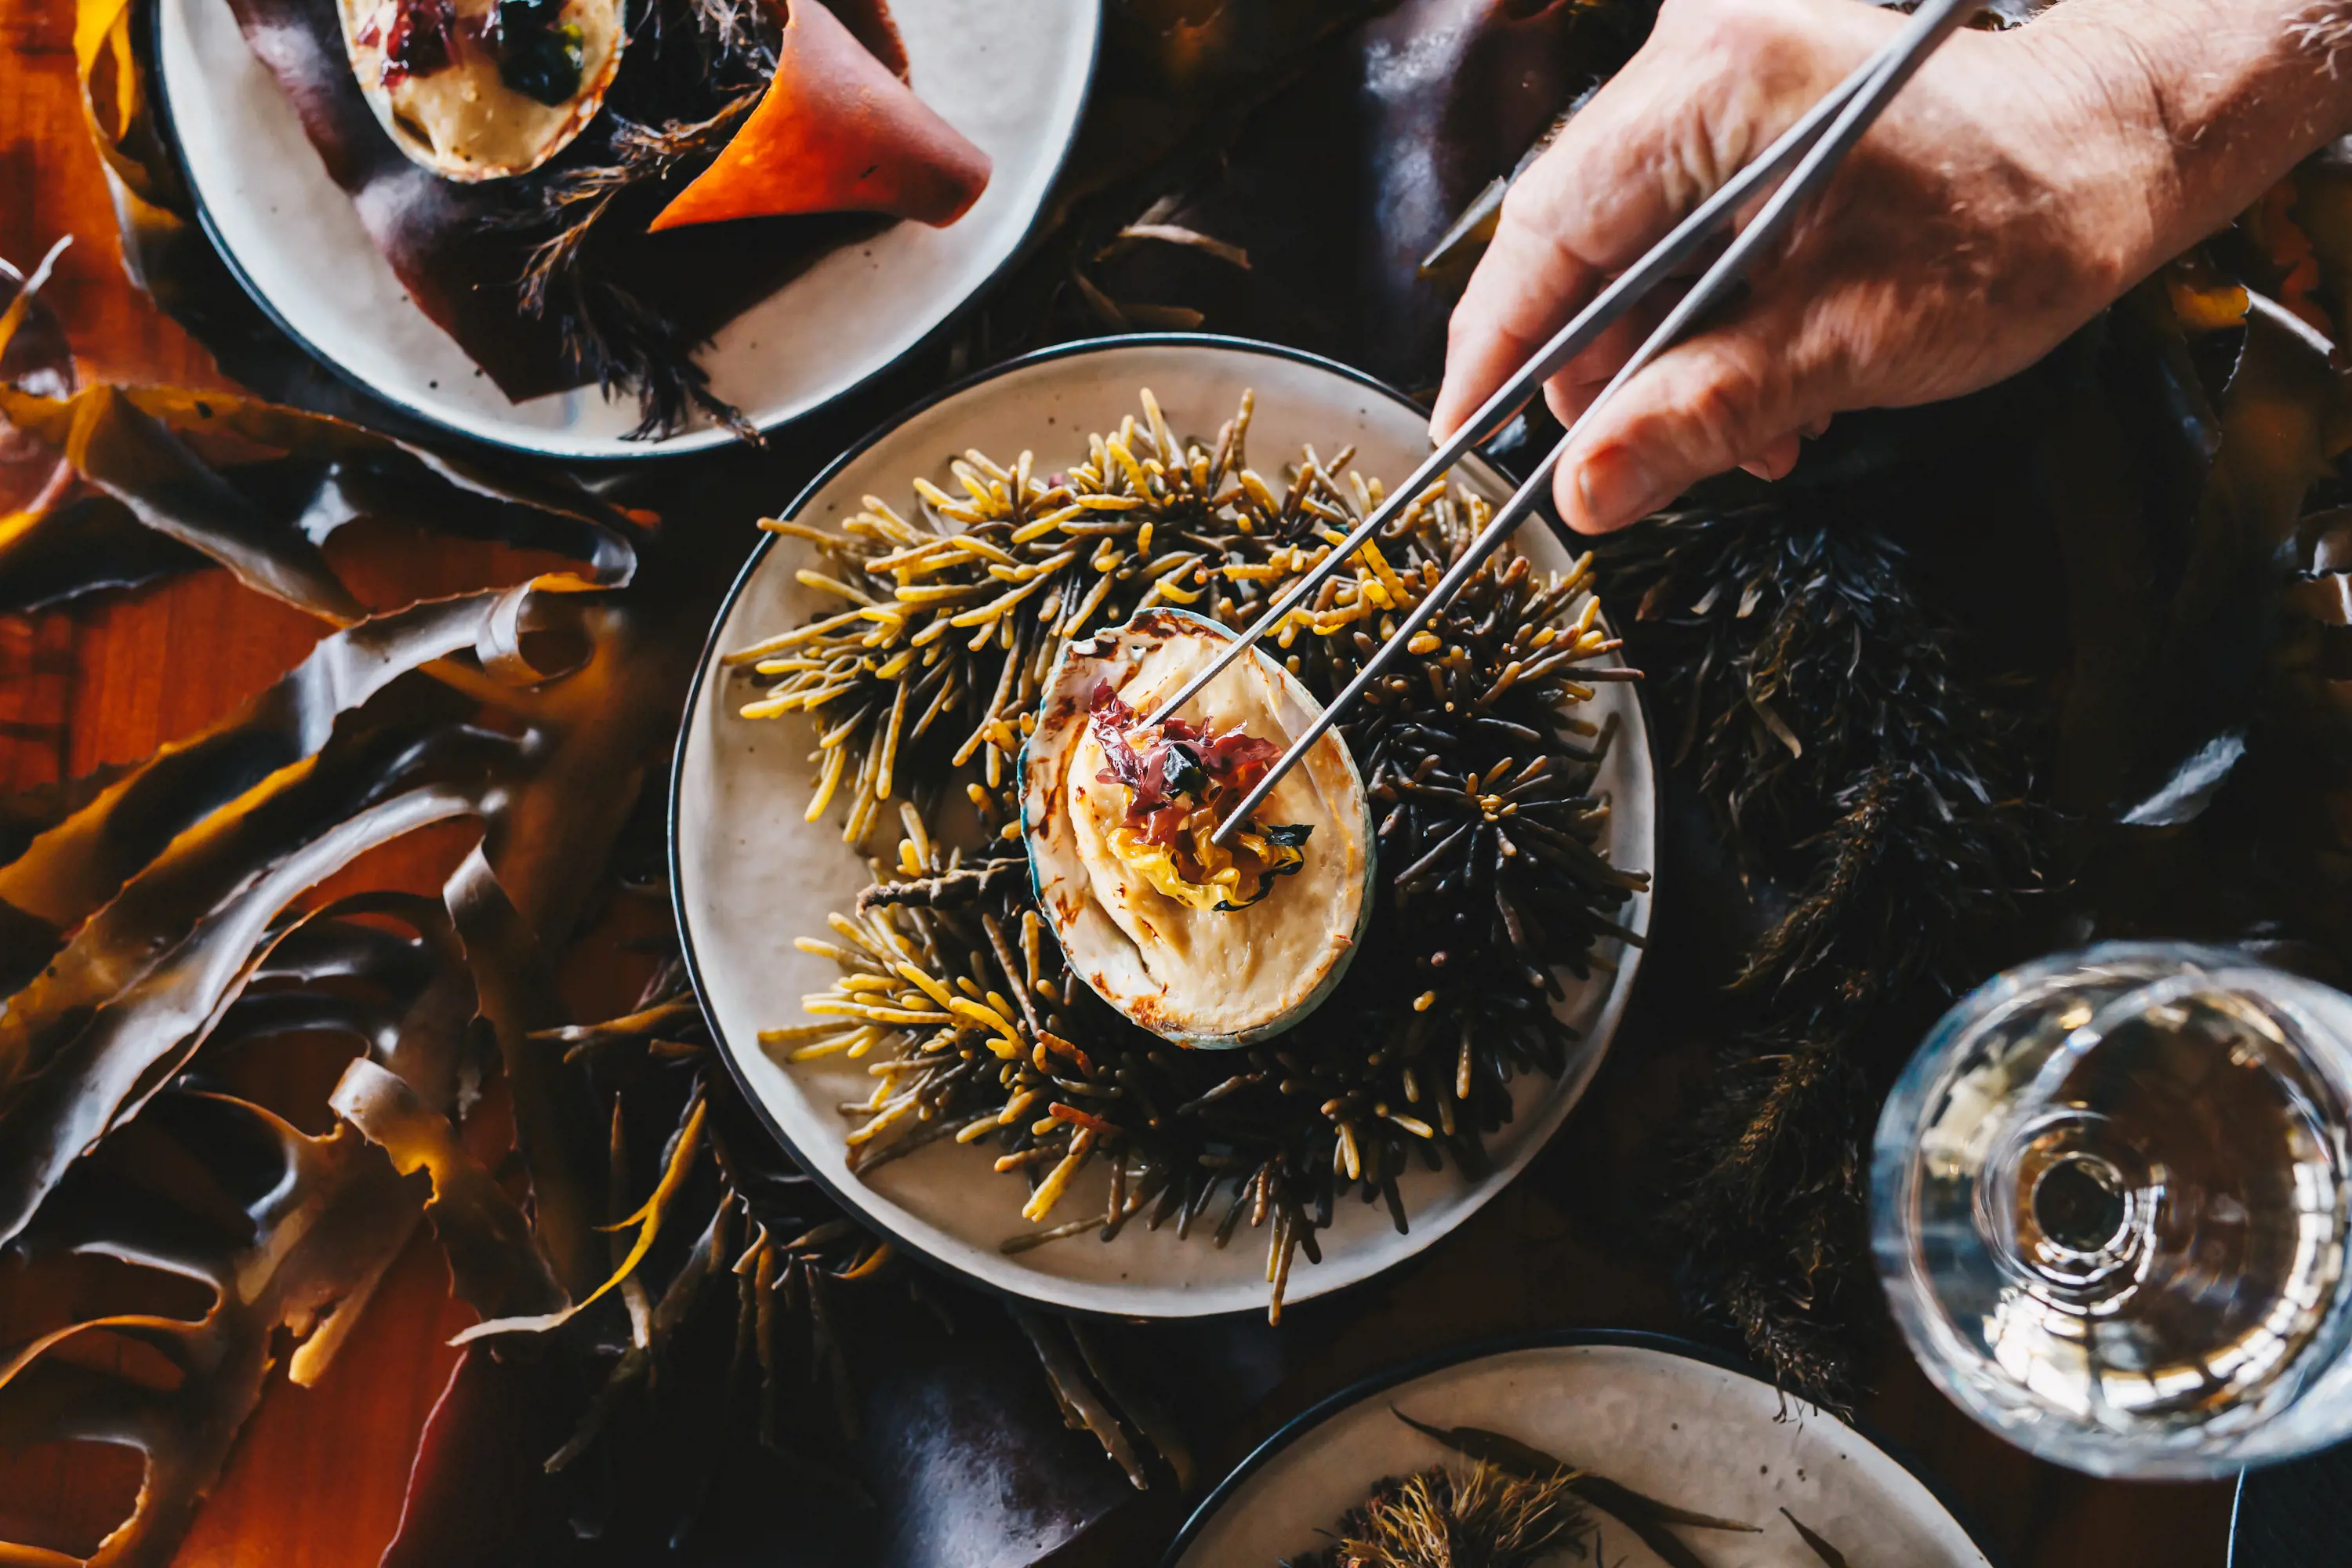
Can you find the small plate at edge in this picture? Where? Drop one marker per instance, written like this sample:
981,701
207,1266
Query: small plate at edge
1667,1418
295,242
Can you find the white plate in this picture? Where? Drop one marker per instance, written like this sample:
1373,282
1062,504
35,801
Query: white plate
750,876
1648,1412
1009,73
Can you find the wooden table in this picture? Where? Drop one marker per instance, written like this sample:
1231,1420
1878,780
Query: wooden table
316,1482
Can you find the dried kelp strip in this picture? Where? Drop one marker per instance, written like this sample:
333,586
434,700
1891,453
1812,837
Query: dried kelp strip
495,1265
81,545
255,487
86,1044
647,1220
137,459
316,1226
353,1212
79,862
1492,832
1081,1405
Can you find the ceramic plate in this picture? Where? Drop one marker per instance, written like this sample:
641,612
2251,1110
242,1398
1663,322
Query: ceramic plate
750,876
1009,73
1659,1417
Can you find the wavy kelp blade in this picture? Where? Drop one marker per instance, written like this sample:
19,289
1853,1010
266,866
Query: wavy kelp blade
141,463
324,1221
207,865
493,1264
648,1222
73,866
836,132
161,457
83,544
30,812
555,1115
2172,508
94,1070
353,1215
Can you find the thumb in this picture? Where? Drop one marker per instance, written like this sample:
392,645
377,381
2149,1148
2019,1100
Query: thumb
1721,399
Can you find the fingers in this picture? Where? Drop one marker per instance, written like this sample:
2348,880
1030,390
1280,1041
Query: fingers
1775,459
1731,397
1715,82
1621,174
1526,287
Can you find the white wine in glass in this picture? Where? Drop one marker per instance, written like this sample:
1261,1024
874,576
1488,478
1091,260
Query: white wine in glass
2109,1205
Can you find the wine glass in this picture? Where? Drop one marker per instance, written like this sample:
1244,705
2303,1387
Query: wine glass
2109,1203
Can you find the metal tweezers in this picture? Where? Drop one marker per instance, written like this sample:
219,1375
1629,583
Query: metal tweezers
1808,152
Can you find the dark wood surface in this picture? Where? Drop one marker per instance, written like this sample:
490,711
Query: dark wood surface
316,1480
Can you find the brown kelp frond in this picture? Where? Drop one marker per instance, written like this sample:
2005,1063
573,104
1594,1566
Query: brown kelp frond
1493,832
1473,1516
1822,708
169,906
289,1232
256,487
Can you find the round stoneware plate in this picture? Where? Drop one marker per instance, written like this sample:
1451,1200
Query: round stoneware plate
1009,73
1659,1417
750,876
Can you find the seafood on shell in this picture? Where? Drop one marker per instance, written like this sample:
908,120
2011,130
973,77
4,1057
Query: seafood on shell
483,89
1201,972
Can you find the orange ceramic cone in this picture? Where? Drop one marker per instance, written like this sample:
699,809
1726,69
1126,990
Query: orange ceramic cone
836,132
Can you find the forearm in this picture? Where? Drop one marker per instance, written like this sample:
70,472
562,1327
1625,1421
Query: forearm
2217,100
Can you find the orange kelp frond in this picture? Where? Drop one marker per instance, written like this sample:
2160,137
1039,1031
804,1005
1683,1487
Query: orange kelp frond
836,131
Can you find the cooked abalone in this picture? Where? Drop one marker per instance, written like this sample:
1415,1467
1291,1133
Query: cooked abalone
1205,945
481,89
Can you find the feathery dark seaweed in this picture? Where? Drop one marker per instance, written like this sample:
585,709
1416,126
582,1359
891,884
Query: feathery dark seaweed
694,71
1457,1516
1821,705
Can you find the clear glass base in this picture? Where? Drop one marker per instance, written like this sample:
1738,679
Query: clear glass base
2110,1205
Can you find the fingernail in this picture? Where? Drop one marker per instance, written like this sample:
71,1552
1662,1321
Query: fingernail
1615,487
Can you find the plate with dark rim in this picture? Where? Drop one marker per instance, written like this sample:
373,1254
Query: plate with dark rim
1669,1419
1012,75
750,876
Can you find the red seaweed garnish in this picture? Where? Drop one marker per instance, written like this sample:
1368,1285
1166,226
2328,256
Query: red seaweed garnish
424,39
1180,768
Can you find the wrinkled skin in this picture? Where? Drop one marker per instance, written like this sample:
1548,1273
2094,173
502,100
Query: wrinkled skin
2017,185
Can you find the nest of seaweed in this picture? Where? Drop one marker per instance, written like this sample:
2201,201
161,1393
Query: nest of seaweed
1481,767
694,71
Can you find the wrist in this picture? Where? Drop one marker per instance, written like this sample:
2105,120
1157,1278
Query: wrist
2177,115
2118,167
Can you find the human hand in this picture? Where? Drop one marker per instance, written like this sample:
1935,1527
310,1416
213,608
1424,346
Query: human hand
2019,182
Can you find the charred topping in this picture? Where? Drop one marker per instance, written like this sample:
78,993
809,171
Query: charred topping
540,55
